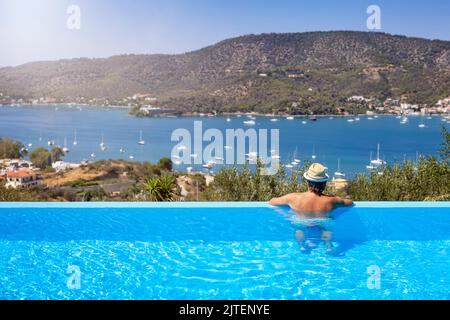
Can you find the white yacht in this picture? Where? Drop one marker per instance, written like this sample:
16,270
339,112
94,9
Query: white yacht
338,174
209,165
141,140
378,161
370,166
65,149
314,156
75,141
102,144
250,123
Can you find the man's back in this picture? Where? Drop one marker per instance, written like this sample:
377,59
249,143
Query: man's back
310,202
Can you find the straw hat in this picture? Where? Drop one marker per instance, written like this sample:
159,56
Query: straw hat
316,173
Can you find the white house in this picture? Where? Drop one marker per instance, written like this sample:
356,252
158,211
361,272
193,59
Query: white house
21,179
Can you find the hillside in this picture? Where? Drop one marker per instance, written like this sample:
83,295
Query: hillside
304,71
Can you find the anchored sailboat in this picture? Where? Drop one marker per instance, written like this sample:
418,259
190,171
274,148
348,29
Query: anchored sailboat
65,149
102,144
378,161
338,174
370,166
75,141
141,140
314,153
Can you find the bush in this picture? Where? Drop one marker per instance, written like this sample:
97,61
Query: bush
426,181
15,195
244,184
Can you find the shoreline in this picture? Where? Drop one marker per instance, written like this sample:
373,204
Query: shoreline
206,115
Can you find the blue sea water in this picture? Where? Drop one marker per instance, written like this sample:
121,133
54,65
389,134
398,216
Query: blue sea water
329,138
223,252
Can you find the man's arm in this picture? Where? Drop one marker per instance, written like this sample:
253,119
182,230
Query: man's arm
339,202
281,200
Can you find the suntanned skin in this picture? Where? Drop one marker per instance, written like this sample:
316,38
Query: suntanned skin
309,202
310,205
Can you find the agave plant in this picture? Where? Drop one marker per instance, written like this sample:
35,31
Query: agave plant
160,189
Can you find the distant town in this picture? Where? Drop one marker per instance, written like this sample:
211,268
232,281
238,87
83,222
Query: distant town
147,105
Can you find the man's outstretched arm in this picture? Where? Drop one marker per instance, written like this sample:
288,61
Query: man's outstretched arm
281,201
339,202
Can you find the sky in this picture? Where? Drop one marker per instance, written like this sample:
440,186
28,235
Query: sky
35,30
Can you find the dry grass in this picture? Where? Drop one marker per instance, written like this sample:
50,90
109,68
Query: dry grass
53,179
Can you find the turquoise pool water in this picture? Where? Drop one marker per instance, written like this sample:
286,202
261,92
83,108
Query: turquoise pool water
221,251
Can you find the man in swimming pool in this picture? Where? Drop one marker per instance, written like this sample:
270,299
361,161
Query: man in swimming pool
313,208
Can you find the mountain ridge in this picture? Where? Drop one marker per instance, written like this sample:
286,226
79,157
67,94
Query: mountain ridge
226,76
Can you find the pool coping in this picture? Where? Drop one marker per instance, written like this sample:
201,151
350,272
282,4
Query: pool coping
13,205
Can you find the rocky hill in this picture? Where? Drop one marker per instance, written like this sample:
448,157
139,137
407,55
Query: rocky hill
278,72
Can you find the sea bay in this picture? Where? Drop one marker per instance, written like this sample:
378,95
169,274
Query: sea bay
329,138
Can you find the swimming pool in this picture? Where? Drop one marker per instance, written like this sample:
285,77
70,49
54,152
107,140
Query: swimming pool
221,251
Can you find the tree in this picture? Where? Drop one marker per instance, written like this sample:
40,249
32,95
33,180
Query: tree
10,149
56,154
445,145
41,158
165,164
160,189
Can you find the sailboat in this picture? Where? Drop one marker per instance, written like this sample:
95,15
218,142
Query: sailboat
370,166
378,161
314,153
338,174
75,141
141,140
102,144
250,123
228,119
422,125
65,149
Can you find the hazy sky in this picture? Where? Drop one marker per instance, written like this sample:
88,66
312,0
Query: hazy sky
33,30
